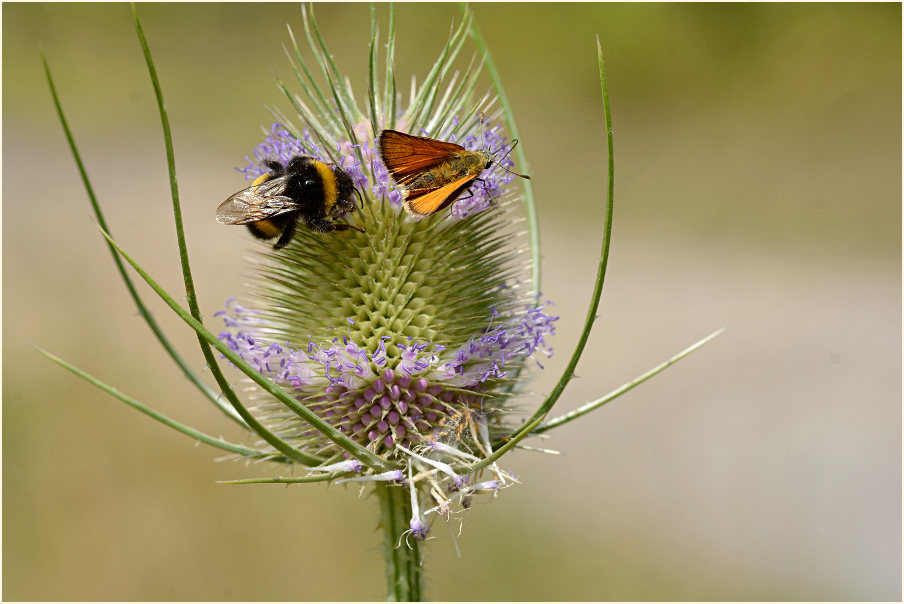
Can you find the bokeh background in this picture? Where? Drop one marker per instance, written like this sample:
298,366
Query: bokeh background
758,153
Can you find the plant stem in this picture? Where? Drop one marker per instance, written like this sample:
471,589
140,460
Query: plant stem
403,561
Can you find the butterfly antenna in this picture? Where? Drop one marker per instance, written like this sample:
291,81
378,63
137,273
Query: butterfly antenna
524,176
507,153
499,162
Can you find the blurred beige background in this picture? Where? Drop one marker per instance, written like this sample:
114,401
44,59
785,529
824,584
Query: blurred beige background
758,153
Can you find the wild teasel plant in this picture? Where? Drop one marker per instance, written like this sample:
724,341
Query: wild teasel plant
388,357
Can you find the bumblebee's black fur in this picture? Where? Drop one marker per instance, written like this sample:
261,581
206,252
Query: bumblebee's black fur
295,192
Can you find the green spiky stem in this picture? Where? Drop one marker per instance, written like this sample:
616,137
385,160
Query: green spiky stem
403,558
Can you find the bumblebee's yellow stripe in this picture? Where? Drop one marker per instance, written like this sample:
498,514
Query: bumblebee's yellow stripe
265,229
330,190
260,179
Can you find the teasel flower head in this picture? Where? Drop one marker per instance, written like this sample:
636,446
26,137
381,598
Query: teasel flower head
410,336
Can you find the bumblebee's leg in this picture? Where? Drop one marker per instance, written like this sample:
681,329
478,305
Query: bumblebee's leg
343,226
360,199
287,234
321,225
325,226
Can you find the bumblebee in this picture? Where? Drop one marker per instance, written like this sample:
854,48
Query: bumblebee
304,190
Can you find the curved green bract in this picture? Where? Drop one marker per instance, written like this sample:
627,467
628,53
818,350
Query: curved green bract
530,206
206,339
601,269
142,309
354,449
187,430
593,405
281,480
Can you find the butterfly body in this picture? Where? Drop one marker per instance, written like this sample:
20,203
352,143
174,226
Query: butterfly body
468,164
432,173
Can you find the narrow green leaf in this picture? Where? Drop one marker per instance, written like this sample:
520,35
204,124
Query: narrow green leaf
193,377
310,115
389,92
470,121
187,430
523,166
530,208
357,451
195,315
346,122
465,94
393,108
281,480
434,87
328,65
441,114
423,100
592,405
340,88
372,83
312,124
319,99
601,270
513,440
459,90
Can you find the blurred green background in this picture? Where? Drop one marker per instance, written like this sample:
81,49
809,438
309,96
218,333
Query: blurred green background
758,153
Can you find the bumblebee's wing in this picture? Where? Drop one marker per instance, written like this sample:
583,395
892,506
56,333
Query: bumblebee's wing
256,203
406,156
424,202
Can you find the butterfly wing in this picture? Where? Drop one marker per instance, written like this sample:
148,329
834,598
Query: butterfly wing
406,156
424,202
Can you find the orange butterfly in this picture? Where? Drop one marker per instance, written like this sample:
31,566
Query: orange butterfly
433,173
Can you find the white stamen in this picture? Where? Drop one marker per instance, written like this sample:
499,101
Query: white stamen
418,528
442,467
484,432
438,446
349,465
538,449
390,476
